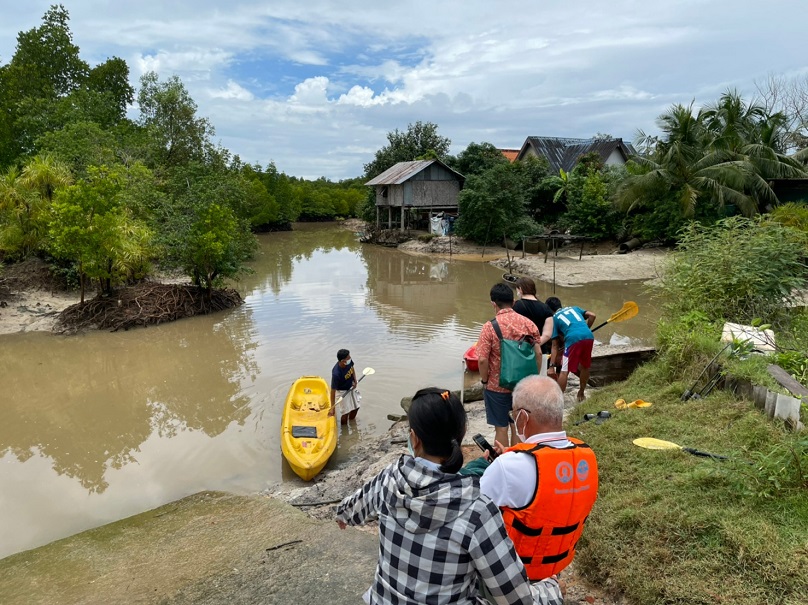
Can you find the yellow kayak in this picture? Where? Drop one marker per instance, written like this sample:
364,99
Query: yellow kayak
308,433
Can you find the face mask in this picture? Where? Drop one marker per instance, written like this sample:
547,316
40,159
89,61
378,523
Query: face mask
516,425
409,446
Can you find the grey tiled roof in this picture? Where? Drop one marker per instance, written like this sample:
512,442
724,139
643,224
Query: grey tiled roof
563,153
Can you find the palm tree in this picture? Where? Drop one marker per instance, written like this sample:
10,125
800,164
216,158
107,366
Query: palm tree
45,174
723,154
560,185
25,199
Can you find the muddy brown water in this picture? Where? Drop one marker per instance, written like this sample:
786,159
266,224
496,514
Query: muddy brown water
100,426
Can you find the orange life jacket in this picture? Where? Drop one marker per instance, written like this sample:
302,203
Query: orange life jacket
546,531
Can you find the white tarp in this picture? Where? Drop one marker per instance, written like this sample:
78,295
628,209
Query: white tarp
436,225
763,340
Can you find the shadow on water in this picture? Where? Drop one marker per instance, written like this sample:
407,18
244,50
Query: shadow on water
100,426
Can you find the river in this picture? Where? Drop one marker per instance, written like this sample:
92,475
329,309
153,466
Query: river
100,426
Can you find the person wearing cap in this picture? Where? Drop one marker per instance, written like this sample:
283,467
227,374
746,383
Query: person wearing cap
343,380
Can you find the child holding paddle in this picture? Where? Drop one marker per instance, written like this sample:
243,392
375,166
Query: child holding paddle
573,325
343,378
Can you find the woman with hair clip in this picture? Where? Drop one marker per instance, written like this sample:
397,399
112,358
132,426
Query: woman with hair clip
440,540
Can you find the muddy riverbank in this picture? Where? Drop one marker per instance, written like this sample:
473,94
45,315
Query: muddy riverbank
598,262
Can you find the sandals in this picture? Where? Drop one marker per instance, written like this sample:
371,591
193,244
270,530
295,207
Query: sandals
621,404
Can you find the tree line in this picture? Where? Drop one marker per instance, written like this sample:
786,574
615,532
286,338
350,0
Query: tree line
106,197
703,166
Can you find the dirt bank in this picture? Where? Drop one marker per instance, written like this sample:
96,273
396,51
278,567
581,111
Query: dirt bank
567,270
599,262
30,298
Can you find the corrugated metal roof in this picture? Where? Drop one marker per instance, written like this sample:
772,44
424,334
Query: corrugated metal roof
400,172
403,171
563,153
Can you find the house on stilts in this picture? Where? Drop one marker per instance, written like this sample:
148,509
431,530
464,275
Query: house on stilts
412,191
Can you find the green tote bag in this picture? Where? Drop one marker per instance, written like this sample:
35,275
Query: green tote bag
518,359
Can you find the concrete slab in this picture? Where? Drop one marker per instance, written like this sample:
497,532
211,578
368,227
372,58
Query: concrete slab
209,548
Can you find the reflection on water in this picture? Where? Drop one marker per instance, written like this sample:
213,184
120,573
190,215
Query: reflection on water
97,427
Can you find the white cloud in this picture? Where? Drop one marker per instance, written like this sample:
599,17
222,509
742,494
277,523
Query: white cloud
311,93
232,91
276,77
196,64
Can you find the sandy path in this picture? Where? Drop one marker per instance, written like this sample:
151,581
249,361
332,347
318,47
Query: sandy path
600,262
569,271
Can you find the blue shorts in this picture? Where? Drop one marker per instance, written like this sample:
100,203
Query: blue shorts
498,408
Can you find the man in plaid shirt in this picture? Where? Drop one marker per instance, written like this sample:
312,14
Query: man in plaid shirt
498,400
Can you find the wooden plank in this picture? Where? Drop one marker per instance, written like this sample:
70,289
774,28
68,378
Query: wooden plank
786,381
614,363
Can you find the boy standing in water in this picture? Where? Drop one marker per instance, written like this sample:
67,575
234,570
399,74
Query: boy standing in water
343,378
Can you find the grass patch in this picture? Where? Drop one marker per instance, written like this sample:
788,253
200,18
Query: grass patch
670,527
753,369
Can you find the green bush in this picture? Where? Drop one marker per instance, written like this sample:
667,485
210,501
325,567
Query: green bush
737,270
590,212
792,214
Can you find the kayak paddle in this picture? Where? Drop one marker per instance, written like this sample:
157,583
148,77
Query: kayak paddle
650,443
365,372
627,311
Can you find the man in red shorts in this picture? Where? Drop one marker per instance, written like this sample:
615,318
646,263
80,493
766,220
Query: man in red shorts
573,325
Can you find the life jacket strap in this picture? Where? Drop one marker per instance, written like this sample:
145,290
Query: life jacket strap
536,531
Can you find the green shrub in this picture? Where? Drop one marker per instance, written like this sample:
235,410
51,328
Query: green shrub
792,214
686,344
737,270
426,237
590,212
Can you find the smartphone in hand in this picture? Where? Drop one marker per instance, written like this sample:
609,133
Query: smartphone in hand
485,446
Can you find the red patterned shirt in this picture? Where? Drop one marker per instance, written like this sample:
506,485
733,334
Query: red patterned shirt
513,327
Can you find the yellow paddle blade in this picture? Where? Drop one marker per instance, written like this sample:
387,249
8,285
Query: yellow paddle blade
627,311
621,404
650,443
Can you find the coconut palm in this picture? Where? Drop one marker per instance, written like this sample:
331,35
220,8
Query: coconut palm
722,154
22,217
560,186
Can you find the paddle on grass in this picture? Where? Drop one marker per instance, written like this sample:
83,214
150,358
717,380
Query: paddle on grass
627,311
365,372
650,443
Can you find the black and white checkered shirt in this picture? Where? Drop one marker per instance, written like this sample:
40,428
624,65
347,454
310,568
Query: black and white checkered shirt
437,537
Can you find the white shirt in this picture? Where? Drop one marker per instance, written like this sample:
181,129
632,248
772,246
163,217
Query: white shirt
510,480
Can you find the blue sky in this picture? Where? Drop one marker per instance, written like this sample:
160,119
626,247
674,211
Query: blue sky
315,86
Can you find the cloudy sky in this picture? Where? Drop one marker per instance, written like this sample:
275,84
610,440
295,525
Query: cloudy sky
315,85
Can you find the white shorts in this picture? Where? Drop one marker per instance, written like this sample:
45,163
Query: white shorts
349,403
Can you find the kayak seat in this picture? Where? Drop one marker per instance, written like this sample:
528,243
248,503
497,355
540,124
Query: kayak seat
310,406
